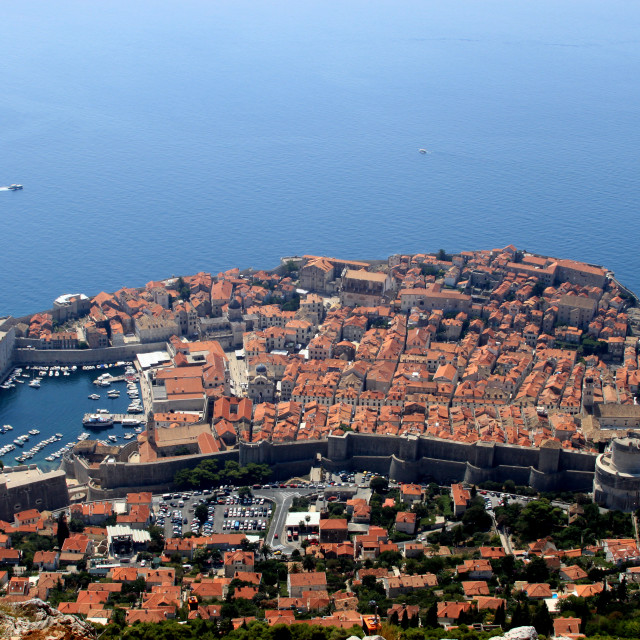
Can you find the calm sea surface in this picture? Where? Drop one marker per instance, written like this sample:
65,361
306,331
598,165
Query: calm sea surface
159,138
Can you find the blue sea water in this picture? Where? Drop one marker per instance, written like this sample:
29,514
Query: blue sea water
166,137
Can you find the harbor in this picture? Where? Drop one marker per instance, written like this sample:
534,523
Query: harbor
44,411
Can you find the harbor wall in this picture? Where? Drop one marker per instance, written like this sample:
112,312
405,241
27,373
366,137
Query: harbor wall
24,356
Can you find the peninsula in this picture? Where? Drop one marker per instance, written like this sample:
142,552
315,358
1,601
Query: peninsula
373,416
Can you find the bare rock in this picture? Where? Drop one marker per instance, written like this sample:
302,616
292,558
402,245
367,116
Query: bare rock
519,633
37,620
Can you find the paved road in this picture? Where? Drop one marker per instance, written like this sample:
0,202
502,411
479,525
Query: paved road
283,499
238,374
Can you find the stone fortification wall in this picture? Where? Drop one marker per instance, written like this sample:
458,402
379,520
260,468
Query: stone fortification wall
577,461
83,356
562,481
404,458
44,491
501,473
282,453
512,455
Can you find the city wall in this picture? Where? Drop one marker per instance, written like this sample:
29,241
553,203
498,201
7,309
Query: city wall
24,356
405,459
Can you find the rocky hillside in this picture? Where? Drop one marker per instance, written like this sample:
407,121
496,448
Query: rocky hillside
36,620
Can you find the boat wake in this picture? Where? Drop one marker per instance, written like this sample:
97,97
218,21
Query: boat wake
4,188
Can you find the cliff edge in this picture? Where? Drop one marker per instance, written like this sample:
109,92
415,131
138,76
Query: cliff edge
36,620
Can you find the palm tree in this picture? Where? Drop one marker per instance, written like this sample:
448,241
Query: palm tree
265,550
308,563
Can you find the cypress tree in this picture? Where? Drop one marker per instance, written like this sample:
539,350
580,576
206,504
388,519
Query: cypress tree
542,620
431,619
500,617
63,529
404,623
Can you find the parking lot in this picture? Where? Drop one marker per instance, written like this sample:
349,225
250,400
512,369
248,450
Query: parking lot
175,513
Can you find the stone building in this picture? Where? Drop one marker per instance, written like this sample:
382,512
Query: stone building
576,311
261,387
617,479
23,488
362,288
7,346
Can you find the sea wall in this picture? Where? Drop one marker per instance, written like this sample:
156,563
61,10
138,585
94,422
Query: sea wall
24,356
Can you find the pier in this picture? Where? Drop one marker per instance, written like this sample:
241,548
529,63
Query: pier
121,417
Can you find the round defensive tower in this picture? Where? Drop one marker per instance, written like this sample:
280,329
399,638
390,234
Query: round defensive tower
616,484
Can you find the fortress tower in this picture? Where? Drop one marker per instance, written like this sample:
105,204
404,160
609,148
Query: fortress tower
617,480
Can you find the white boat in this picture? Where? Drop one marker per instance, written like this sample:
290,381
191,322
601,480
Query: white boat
128,436
34,432
35,384
49,458
94,396
113,438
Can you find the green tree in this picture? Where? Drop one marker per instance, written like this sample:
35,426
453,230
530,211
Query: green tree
431,620
202,513
379,484
542,620
521,616
76,526
183,289
500,617
537,570
63,529
476,519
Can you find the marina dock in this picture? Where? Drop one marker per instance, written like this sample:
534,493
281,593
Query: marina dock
121,417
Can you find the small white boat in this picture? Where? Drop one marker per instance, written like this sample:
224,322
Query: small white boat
94,396
113,438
